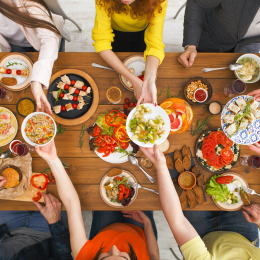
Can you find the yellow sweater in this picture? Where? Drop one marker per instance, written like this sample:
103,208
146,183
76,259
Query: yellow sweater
102,32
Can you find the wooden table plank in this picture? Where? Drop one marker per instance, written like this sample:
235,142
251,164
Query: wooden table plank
86,177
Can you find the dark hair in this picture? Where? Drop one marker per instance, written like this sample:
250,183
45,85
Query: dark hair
131,253
25,19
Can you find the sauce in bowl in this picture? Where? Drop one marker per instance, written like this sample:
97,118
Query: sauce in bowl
187,180
200,95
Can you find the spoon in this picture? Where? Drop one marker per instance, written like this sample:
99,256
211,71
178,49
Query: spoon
138,186
102,67
133,160
5,154
232,66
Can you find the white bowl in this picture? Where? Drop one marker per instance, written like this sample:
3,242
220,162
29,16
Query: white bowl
24,126
156,111
256,58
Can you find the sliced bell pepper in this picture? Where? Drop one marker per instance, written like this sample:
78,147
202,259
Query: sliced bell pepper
122,135
114,118
40,181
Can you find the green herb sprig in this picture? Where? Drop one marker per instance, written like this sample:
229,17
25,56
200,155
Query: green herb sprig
178,95
57,98
60,130
201,126
15,63
81,136
162,92
169,91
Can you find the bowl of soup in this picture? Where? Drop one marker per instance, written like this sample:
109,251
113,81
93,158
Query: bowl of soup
250,68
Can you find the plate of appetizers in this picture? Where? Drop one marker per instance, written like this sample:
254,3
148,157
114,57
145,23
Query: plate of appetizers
147,125
136,65
227,191
108,137
240,120
116,188
73,96
38,128
8,126
15,71
215,152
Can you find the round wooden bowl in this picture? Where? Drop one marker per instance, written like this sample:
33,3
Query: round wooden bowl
16,169
203,81
193,184
94,105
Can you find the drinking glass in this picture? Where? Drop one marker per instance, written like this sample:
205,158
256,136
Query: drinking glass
21,149
114,95
5,95
252,161
147,164
236,87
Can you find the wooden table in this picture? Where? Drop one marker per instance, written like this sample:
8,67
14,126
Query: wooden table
90,169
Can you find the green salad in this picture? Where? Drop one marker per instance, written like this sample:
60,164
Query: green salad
146,131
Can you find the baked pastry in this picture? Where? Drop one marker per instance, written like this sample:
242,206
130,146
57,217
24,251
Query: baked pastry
183,200
199,194
191,198
179,166
114,172
169,162
177,186
177,155
186,162
185,151
9,81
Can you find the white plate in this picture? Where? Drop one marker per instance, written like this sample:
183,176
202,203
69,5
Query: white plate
137,62
22,82
248,136
256,58
24,126
156,111
231,187
103,195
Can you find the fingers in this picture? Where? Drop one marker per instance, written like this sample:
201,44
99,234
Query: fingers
139,102
183,59
192,58
47,199
157,151
247,217
148,152
255,92
254,148
154,96
38,205
42,106
2,182
47,105
38,103
251,210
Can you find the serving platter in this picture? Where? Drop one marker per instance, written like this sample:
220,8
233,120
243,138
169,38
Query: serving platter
73,117
248,136
231,187
137,62
14,122
19,61
235,149
103,191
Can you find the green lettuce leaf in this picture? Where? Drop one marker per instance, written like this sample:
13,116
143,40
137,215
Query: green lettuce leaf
105,129
220,191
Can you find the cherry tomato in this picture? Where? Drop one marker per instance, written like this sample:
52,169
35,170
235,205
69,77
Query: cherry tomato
61,95
52,179
141,77
77,91
63,108
134,104
75,98
131,104
107,152
127,192
113,147
8,71
127,100
108,139
72,82
84,88
18,72
125,106
118,178
37,196
66,86
74,106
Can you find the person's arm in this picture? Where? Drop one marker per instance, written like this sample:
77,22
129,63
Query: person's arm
68,196
254,216
151,243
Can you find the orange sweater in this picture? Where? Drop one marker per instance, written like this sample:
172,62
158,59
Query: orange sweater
120,235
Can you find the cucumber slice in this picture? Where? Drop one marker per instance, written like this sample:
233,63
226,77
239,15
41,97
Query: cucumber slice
237,183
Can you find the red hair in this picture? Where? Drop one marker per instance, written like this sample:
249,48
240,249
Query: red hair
139,8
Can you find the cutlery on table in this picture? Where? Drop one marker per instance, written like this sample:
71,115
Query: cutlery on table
5,154
102,67
250,191
232,66
138,186
133,160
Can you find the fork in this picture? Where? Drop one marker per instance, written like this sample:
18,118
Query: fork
250,191
137,186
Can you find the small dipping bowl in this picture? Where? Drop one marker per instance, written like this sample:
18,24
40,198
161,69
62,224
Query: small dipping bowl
164,145
13,143
187,180
29,99
16,169
200,90
215,108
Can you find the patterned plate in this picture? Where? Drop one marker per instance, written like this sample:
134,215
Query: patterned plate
248,136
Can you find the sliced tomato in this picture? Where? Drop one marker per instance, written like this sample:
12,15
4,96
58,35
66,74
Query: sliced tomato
113,147
212,160
103,144
127,192
121,188
120,196
97,131
118,178
108,139
98,139
206,152
124,145
220,163
227,155
227,142
102,149
107,152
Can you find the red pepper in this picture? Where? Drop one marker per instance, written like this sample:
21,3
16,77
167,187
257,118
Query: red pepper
224,179
127,192
37,196
141,77
40,181
114,118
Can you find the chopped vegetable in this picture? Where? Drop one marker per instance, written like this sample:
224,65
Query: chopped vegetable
40,181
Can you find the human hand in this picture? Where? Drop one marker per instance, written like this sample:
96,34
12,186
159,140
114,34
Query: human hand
255,94
51,210
254,147
47,152
188,56
3,180
138,216
40,98
149,93
138,86
155,155
254,210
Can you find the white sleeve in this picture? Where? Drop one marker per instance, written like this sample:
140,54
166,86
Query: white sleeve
50,43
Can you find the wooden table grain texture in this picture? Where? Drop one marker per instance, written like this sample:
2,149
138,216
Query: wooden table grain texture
90,169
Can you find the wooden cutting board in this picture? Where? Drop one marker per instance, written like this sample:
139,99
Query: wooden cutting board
27,196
